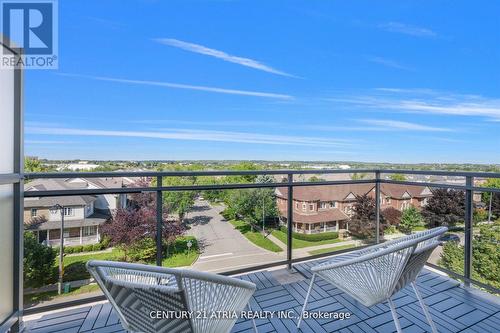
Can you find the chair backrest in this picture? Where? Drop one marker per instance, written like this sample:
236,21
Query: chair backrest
156,299
373,274
420,256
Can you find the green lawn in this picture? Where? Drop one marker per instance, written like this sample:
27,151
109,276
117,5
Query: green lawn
255,237
74,265
50,295
331,249
299,243
419,228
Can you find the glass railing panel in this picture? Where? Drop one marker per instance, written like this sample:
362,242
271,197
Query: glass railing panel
115,227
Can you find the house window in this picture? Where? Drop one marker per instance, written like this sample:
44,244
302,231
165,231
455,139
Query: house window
68,211
333,204
297,205
387,200
322,205
89,230
304,207
311,207
424,202
34,212
405,205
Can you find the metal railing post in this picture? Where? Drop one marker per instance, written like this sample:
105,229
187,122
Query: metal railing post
469,210
289,221
159,222
377,207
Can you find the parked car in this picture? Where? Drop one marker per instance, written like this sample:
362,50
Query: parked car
449,238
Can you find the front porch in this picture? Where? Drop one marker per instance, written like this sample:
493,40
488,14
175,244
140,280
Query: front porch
454,308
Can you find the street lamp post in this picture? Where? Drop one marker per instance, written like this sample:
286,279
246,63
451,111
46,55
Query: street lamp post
54,210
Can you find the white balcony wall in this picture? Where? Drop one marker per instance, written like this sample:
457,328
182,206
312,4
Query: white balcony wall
6,250
7,127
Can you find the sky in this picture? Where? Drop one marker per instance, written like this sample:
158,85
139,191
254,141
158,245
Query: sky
385,81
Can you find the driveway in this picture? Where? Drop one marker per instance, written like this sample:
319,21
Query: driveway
223,248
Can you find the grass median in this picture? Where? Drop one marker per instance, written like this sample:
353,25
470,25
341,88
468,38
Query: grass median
254,236
299,243
331,249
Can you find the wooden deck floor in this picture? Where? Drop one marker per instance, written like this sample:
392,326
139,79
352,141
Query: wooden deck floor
453,308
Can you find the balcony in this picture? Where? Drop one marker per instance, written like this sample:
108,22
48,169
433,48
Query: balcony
453,307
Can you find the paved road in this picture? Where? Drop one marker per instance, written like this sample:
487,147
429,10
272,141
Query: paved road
223,247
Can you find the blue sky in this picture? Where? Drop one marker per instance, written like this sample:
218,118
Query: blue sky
391,81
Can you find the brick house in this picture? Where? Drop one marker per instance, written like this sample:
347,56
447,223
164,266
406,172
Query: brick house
329,208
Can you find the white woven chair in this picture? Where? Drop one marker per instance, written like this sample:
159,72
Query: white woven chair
136,291
372,275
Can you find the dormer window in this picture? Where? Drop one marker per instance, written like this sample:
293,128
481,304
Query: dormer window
311,207
333,204
322,205
304,207
34,212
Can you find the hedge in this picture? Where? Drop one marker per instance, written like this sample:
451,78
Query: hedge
83,248
313,237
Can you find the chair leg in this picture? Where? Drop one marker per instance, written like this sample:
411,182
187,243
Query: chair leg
253,319
306,300
424,307
395,316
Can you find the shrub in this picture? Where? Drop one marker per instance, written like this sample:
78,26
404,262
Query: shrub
105,242
38,262
480,215
363,224
390,230
77,248
87,248
97,247
313,237
143,250
180,244
410,219
392,216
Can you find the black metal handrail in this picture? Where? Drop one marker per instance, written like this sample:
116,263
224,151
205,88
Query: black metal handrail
158,188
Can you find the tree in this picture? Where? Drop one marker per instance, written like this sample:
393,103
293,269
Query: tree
495,200
35,165
363,222
358,176
252,204
134,228
485,255
38,262
179,202
410,218
444,208
392,216
316,179
398,177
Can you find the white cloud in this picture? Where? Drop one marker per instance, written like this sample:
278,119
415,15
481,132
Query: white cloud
184,86
389,63
200,49
403,125
425,101
407,29
46,142
197,135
